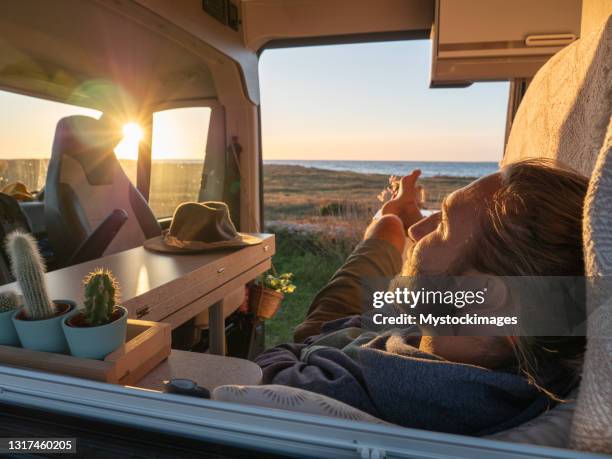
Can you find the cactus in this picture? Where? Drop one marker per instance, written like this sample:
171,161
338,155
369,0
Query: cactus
28,268
101,296
8,301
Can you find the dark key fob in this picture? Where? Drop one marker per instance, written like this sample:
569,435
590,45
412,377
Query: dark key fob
185,387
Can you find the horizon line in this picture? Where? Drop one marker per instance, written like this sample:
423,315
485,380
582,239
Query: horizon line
288,159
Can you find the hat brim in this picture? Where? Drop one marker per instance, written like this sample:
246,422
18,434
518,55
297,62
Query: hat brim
158,244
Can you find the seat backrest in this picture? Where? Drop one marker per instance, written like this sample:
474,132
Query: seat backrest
85,183
592,423
567,115
565,112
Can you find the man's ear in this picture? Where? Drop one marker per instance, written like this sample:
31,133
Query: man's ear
494,290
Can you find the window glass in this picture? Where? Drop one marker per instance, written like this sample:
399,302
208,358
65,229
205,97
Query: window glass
27,128
178,152
127,150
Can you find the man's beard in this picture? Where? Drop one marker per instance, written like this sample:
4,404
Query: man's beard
411,265
414,278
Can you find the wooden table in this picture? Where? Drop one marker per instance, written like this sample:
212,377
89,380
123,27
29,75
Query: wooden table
168,287
209,371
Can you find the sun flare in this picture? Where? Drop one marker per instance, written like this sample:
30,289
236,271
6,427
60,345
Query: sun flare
128,147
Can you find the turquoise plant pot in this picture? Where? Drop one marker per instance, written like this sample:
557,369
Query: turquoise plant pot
44,335
8,334
96,342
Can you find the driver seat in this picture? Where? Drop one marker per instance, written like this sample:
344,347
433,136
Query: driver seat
91,207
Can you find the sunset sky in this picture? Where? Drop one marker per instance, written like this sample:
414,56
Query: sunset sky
349,102
373,102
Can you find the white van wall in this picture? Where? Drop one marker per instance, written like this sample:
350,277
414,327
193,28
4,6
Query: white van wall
594,12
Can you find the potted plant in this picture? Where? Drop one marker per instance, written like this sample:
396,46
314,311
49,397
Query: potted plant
100,328
268,293
38,324
9,305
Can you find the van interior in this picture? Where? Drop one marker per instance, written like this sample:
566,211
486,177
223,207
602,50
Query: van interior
113,75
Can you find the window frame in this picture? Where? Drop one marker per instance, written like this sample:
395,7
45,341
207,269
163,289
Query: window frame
246,426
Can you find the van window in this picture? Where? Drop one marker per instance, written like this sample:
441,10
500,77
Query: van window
178,152
25,144
337,121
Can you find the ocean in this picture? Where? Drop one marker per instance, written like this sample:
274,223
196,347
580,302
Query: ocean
428,168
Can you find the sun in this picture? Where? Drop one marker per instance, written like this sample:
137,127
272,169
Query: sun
132,132
128,147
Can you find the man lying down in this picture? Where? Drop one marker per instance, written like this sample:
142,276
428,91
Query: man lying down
525,220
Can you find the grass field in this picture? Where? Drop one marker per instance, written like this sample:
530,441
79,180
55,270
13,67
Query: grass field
302,194
318,216
313,263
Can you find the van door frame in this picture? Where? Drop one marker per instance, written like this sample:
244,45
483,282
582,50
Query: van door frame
248,426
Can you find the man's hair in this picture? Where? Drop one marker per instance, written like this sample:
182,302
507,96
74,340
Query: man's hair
533,224
533,227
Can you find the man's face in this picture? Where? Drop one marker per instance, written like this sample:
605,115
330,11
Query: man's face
438,241
438,245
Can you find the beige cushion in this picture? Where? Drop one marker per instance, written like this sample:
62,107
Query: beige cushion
290,398
592,427
551,428
565,112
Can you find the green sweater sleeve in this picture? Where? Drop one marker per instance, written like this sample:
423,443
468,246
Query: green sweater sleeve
372,259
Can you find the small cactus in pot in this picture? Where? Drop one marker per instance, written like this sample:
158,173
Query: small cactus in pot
101,326
9,305
28,269
9,301
38,324
101,297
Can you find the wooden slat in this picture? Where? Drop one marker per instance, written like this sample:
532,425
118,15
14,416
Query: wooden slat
147,345
151,342
57,363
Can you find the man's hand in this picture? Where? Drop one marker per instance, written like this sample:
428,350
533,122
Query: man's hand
405,204
388,228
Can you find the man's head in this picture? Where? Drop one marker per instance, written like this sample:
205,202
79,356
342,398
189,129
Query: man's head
525,220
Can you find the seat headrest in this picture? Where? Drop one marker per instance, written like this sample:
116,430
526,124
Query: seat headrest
565,112
90,142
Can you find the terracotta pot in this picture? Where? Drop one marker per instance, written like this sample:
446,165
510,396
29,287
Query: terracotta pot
265,302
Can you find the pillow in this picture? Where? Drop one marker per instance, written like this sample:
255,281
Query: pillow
548,429
292,399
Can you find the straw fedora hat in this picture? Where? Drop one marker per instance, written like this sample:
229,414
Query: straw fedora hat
200,226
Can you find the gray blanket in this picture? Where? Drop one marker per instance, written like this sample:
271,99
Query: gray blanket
390,378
